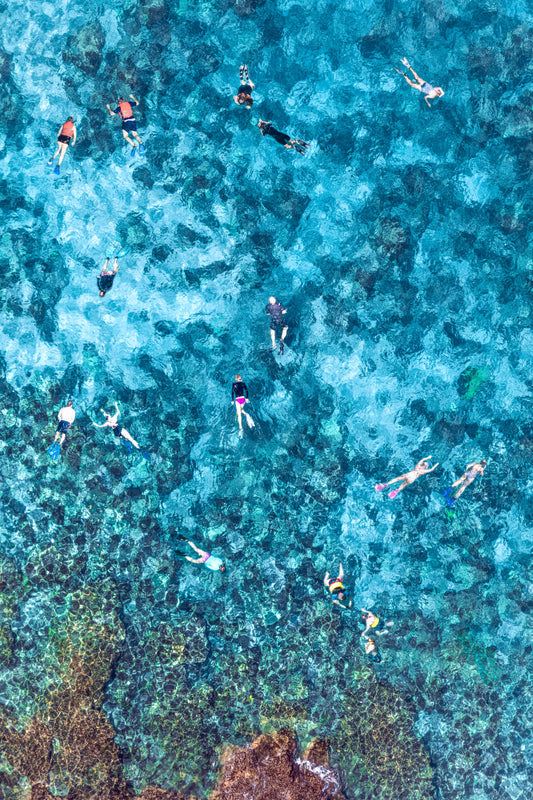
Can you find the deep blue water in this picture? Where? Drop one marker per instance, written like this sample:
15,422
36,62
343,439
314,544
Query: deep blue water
401,247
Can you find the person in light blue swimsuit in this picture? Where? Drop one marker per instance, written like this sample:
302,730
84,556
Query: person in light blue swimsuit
423,86
211,562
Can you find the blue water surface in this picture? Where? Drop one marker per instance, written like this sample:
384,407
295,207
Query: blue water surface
401,247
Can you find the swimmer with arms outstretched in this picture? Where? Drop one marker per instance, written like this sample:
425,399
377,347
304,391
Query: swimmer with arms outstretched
422,468
427,89
239,396
129,124
469,475
111,422
105,280
211,562
335,586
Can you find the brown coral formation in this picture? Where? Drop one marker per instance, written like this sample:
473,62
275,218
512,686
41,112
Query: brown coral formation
269,769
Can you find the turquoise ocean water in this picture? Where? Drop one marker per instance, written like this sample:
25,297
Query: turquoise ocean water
401,246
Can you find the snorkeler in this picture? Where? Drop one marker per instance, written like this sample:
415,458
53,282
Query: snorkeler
336,588
472,471
275,311
105,280
239,395
267,129
111,422
427,89
66,417
129,125
66,135
244,95
211,562
374,623
371,650
409,477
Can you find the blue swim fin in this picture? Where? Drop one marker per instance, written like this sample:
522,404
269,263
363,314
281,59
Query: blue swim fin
53,450
121,253
146,455
56,169
142,151
127,445
133,152
447,493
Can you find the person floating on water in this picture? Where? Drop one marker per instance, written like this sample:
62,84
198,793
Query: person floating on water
375,624
244,95
239,395
336,588
427,89
66,417
66,135
409,477
105,280
129,125
111,422
371,650
276,311
211,562
267,129
472,471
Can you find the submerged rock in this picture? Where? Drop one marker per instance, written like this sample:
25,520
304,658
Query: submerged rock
270,769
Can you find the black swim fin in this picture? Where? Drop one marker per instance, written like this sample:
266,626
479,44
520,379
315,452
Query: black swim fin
300,146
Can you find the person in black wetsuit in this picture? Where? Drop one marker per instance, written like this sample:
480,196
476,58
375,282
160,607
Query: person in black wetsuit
267,129
106,278
244,95
276,311
239,396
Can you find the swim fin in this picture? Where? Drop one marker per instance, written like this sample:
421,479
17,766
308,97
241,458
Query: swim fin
300,146
56,169
133,152
146,455
127,445
181,538
393,494
50,162
121,253
281,348
380,486
53,450
142,151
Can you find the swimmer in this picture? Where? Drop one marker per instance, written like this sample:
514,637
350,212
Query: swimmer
372,651
66,135
336,588
244,95
374,623
239,396
111,422
66,417
276,311
427,89
129,125
409,477
472,471
211,562
267,129
105,280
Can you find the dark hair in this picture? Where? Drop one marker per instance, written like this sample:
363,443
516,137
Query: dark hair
247,98
70,119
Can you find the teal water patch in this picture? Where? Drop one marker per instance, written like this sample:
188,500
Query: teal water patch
401,248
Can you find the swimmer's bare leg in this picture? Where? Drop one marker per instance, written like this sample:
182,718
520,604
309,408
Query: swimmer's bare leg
273,337
239,414
134,133
63,147
249,420
284,333
125,435
341,572
127,138
461,490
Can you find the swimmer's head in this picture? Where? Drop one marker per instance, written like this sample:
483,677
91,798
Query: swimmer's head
222,568
262,124
439,91
272,301
70,119
244,100
69,403
483,462
120,99
238,377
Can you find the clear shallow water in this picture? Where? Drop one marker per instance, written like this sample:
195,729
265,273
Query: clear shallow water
401,247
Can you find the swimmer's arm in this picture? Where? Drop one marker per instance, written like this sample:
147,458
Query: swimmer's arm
470,465
433,467
427,101
116,406
109,109
59,132
134,99
75,133
99,426
326,579
365,611
342,604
